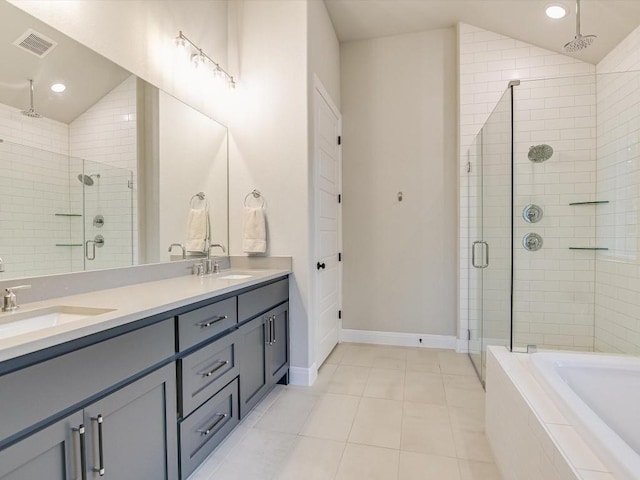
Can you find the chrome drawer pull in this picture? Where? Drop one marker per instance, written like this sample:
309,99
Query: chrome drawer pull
83,451
100,469
211,372
221,417
211,322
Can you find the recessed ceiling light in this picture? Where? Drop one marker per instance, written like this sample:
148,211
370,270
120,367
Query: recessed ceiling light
58,87
556,11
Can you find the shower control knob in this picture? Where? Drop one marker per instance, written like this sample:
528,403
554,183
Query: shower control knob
532,242
532,213
320,266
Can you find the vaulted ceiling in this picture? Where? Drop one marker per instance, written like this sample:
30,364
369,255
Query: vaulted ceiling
610,20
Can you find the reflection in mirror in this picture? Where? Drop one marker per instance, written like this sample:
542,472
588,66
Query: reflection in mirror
104,174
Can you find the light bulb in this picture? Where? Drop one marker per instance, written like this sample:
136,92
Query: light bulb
183,49
556,11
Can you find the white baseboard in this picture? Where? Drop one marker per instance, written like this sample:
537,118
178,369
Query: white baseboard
398,339
462,346
303,377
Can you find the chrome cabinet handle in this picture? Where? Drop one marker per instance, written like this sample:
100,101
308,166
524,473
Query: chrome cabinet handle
83,450
221,363
208,323
207,431
273,329
269,331
100,469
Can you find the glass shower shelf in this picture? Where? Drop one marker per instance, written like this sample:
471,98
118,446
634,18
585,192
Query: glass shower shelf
68,214
600,202
68,244
588,248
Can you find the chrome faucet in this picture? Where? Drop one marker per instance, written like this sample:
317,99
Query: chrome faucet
209,265
10,301
224,250
184,252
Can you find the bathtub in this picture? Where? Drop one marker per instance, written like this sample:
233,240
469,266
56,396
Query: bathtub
600,395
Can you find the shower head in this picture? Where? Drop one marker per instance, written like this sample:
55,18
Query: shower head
86,179
579,42
31,112
540,153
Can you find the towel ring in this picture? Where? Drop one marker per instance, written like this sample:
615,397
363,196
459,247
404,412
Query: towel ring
255,194
201,197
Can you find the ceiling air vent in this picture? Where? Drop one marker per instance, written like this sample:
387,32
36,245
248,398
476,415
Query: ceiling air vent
35,42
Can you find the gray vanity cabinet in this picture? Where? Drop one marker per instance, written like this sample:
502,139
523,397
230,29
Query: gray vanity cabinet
130,432
52,453
278,348
264,355
254,379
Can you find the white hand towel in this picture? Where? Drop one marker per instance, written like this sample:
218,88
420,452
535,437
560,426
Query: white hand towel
255,232
197,230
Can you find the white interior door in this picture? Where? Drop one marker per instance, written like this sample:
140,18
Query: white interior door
328,241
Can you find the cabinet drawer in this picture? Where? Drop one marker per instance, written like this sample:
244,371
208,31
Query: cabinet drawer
35,393
205,322
205,428
207,370
262,299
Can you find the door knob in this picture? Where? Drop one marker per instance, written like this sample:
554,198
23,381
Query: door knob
320,266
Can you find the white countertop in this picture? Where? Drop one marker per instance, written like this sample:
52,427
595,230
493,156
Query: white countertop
129,304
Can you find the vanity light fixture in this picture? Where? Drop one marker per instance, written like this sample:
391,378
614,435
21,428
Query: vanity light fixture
201,60
58,87
556,11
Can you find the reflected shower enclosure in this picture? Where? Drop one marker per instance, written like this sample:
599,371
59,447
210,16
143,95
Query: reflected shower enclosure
553,218
52,208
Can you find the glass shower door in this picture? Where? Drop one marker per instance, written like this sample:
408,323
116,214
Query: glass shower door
490,235
474,226
107,195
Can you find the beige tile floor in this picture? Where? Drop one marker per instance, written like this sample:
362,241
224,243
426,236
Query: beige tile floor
375,413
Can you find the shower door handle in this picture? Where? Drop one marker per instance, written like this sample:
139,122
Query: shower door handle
473,254
486,257
86,250
96,242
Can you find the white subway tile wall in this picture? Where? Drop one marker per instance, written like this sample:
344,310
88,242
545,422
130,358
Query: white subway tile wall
553,287
33,157
40,186
487,62
107,133
617,287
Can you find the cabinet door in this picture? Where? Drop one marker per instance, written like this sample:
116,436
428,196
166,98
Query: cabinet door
279,346
52,453
132,432
253,363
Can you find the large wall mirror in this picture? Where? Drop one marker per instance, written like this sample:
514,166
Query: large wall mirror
102,174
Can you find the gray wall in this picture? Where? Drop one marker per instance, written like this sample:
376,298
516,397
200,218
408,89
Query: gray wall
399,122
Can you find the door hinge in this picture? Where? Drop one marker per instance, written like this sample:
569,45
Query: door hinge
468,334
339,198
339,139
468,167
339,256
340,314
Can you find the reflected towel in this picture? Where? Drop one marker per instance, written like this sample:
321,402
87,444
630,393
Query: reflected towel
254,239
197,230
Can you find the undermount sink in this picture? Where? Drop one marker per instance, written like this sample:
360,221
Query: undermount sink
234,276
14,324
